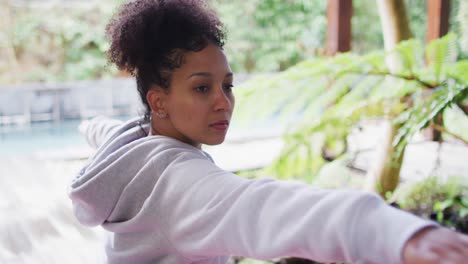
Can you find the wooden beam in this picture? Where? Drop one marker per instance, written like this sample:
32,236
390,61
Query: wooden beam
438,12
339,13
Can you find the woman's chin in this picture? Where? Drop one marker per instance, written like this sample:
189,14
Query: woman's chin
214,141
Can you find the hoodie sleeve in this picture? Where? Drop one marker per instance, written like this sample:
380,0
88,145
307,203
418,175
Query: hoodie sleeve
210,212
98,129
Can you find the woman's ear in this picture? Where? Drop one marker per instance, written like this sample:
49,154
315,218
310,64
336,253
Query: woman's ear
156,98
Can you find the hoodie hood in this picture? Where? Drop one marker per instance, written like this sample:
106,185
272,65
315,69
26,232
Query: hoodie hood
117,181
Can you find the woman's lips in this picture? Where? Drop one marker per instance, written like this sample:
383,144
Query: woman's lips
220,125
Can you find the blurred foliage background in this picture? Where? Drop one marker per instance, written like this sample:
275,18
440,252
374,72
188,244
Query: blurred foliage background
64,40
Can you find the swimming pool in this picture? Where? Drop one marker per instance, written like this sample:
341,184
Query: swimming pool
54,137
38,137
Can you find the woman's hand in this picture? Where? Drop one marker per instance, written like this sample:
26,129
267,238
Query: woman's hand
436,245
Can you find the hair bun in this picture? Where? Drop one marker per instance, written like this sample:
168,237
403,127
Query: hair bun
145,32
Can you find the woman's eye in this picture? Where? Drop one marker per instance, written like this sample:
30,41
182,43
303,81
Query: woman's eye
228,87
202,89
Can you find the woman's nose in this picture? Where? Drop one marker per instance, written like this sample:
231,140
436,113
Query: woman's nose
223,101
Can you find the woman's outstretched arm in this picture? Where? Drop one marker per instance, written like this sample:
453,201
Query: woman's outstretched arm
98,129
210,212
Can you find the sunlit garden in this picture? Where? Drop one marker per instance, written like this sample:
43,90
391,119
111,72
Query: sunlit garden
388,113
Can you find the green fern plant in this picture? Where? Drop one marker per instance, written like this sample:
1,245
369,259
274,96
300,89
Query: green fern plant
329,96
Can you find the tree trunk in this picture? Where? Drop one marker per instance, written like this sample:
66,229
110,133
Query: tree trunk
395,28
394,20
384,174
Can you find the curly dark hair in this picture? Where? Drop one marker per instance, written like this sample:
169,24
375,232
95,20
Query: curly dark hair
150,37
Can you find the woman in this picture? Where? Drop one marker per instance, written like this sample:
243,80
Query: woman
163,200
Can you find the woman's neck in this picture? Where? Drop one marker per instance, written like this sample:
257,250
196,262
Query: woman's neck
157,132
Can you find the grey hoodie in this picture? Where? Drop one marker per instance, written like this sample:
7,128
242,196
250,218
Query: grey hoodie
164,201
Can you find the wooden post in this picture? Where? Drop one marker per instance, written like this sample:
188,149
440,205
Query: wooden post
438,13
339,13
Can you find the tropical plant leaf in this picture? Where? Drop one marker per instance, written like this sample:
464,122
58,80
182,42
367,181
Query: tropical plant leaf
424,109
331,95
440,53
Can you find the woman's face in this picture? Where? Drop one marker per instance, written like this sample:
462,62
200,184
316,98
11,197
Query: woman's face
200,102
